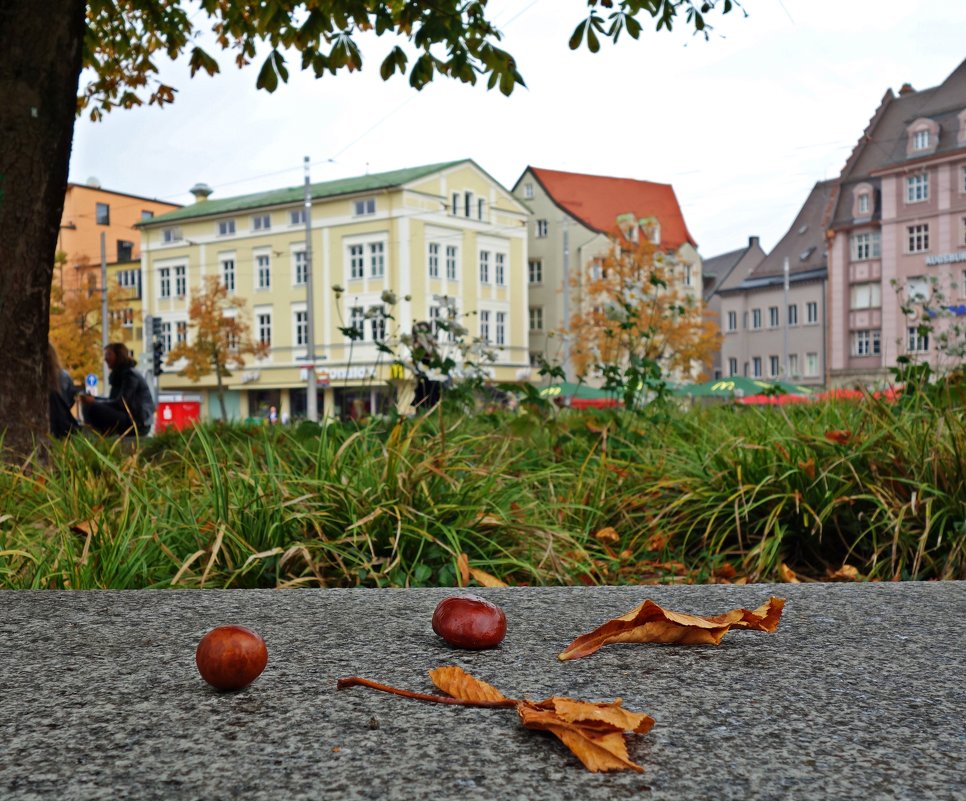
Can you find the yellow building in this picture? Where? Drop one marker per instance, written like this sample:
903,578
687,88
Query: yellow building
441,235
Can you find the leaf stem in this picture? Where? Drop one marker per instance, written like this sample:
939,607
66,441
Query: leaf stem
358,681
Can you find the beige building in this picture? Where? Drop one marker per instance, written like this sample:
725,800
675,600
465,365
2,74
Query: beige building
774,320
572,217
445,235
898,231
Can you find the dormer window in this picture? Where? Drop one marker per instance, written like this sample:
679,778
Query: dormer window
863,203
923,137
528,191
920,140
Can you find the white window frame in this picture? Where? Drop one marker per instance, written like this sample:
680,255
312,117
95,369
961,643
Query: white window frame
164,282
171,235
261,222
792,313
774,317
811,312
528,191
499,268
452,263
921,139
541,229
263,271
917,238
300,326
180,280
481,208
226,227
917,188
300,266
357,261
811,365
732,324
793,365
867,295
862,343
296,216
377,259
484,266
181,332
756,367
432,259
755,319
863,203
263,325
357,319
500,337
732,366
378,323
774,366
917,288
866,245
455,207
365,207
485,325
536,318
915,341
535,271
226,268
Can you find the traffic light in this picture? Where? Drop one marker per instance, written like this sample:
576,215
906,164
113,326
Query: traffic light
158,355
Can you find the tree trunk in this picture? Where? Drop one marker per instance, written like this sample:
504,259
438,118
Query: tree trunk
41,43
221,393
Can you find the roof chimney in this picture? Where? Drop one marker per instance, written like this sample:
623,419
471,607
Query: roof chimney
201,192
906,89
753,241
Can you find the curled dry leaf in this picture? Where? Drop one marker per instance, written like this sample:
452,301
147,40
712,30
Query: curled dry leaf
838,436
595,733
788,575
845,573
651,623
607,534
481,577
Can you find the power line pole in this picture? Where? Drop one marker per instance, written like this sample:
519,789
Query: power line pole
785,327
311,395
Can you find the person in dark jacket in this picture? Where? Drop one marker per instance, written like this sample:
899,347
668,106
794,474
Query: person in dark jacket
61,392
130,407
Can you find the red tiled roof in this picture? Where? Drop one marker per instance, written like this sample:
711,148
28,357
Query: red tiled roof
598,201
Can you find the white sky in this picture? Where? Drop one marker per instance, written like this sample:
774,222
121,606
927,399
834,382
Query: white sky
742,125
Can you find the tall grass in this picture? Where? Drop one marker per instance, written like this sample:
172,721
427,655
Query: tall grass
723,493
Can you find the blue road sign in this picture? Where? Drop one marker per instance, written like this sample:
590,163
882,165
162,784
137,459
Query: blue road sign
91,380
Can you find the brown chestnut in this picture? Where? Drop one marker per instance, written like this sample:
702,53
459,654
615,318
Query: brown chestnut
468,621
231,657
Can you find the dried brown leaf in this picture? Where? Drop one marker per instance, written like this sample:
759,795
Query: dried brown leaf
485,579
651,623
463,565
456,682
788,575
607,534
845,573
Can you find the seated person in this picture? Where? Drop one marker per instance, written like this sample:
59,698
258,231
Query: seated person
130,407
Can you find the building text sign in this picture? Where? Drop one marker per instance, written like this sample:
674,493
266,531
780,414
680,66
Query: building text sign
945,258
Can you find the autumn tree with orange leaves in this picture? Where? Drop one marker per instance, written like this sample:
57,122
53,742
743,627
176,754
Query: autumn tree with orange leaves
637,322
222,337
75,324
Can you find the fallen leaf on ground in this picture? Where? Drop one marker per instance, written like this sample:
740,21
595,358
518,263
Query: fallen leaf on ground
839,436
595,733
481,577
651,623
788,575
845,573
607,534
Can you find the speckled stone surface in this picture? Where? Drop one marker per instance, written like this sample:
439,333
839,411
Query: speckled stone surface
861,694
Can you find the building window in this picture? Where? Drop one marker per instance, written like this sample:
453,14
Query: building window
301,260
866,296
793,365
918,340
365,206
866,246
811,365
432,260
301,328
262,222
264,324
451,262
130,279
181,331
864,203
102,214
962,231
467,204
485,325
377,259
164,275
480,208
226,227
357,261
166,336
296,217
773,317
688,273
732,366
917,288
357,320
228,274
917,238
920,140
528,191
732,322
263,266
917,188
541,226
500,328
793,314
456,203
535,269
500,269
125,250
378,315
756,319
147,214
536,318
861,343
756,366
811,312
484,266
774,366
180,281
435,315
169,235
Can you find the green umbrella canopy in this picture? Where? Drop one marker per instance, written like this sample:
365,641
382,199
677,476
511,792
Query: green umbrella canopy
567,389
740,386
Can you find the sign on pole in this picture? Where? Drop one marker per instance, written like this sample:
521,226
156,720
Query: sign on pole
91,382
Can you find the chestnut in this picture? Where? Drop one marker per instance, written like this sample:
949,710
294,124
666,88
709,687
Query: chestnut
231,657
468,621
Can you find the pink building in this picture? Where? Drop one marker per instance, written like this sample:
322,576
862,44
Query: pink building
898,231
